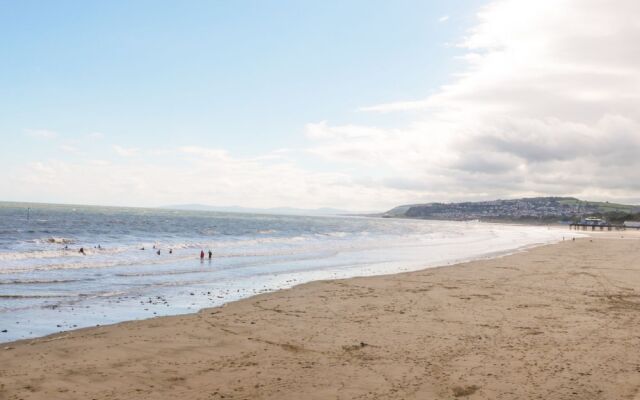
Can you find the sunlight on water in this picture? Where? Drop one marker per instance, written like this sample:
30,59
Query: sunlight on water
47,285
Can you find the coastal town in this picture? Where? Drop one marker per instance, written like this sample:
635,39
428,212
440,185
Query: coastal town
542,209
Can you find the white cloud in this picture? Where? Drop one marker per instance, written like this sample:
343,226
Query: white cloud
125,151
68,148
444,18
548,104
95,135
398,106
41,133
204,175
212,154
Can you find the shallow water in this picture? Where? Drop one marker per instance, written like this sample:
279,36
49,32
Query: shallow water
45,288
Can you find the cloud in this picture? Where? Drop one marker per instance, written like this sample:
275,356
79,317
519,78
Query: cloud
95,135
444,18
124,151
41,133
68,149
367,145
398,106
547,103
203,175
206,153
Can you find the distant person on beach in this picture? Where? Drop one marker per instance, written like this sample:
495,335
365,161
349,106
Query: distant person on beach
142,248
81,251
158,252
210,254
202,254
170,251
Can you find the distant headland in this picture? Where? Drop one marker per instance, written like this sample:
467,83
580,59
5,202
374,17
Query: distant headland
526,210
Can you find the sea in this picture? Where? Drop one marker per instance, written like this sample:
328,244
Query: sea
141,263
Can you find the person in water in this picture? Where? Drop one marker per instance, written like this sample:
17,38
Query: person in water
210,254
202,254
81,251
158,252
170,251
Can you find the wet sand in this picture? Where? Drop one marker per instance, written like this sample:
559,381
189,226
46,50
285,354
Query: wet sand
555,322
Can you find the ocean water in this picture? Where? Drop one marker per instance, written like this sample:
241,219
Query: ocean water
47,286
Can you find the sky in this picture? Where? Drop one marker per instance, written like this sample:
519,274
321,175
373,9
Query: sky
360,105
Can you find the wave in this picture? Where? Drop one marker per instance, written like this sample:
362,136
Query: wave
34,296
56,240
39,281
40,254
150,259
131,254
34,249
162,273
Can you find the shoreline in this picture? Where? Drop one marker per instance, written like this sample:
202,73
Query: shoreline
555,321
452,264
280,282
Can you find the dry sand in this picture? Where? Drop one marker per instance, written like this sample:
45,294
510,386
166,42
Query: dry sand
556,322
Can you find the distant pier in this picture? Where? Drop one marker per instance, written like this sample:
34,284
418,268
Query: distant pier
601,227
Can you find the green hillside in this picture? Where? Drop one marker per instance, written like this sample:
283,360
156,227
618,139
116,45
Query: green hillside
534,209
602,206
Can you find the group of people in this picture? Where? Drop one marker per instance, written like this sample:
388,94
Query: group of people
202,254
158,250
171,252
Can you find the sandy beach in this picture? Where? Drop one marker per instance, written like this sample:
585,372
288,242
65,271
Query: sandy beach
555,322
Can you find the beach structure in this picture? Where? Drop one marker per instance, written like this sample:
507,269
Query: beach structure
595,223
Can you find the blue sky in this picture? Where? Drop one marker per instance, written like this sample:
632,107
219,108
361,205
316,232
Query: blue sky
244,75
329,102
